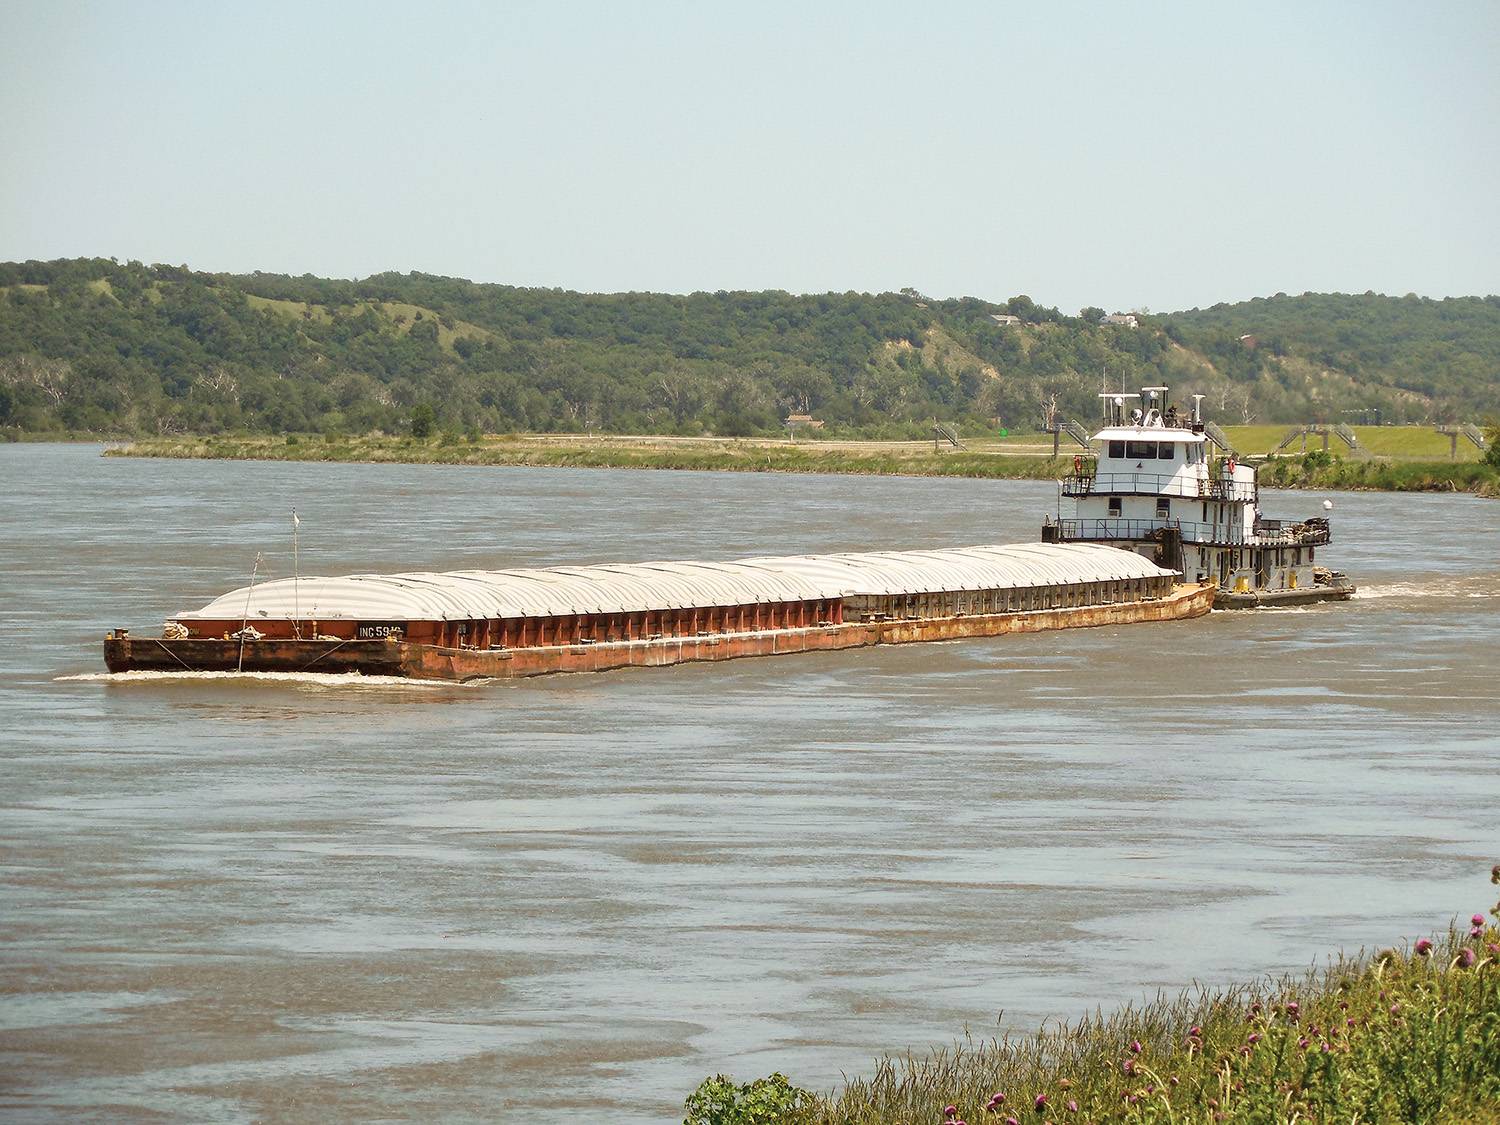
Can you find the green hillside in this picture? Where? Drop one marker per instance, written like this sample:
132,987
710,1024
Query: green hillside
93,346
1352,358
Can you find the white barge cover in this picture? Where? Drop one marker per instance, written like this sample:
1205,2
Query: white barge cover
562,591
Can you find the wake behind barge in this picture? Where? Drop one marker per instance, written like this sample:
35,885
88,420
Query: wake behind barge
500,624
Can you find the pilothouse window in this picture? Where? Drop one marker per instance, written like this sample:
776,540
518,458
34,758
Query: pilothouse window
1117,449
1167,451
1141,450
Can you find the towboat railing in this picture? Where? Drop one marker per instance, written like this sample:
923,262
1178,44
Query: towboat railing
1090,530
1158,484
1222,488
1267,533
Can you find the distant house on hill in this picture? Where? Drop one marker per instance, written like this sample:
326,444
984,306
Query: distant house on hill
795,420
1121,320
1005,319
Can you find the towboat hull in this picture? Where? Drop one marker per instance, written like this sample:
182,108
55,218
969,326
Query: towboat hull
1336,591
392,656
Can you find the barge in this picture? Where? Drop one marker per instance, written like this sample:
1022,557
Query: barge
1153,484
467,625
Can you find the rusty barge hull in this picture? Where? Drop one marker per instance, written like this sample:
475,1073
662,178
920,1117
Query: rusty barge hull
394,656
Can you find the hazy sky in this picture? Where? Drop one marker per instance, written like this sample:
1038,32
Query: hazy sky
1120,154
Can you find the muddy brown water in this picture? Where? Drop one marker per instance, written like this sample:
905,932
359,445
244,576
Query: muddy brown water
253,899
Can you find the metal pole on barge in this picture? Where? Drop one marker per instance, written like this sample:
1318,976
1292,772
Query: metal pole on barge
296,581
245,620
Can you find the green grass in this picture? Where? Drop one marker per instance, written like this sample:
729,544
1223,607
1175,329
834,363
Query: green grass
386,310
1416,443
297,310
1410,1036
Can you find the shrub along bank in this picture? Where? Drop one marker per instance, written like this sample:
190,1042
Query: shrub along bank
1328,470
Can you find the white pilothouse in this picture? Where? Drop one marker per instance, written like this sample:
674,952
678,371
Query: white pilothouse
1154,486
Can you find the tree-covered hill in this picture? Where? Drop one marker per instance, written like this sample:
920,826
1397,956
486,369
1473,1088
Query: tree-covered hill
97,346
1412,358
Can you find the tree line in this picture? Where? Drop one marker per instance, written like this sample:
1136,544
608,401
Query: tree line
96,346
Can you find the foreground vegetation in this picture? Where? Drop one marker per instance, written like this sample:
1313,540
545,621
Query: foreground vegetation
105,348
1410,1036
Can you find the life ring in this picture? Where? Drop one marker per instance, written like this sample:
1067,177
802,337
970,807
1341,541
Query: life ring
1231,466
1077,463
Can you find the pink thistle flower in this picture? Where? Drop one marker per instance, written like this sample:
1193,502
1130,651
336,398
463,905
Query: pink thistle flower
1135,1047
1072,1107
1011,1121
1304,1041
1465,957
1129,1066
997,1098
1423,947
1255,1038
1477,920
1041,1102
951,1111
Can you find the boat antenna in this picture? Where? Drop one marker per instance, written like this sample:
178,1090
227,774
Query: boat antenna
245,618
296,583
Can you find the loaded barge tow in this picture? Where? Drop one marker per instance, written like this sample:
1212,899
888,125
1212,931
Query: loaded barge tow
1151,485
468,625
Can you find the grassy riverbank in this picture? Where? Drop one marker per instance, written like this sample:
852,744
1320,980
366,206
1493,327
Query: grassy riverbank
1322,470
1014,460
1027,458
1408,1036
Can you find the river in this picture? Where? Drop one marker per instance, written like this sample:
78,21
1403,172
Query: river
310,900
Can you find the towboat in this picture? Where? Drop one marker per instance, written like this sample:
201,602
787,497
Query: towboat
1172,490
500,624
